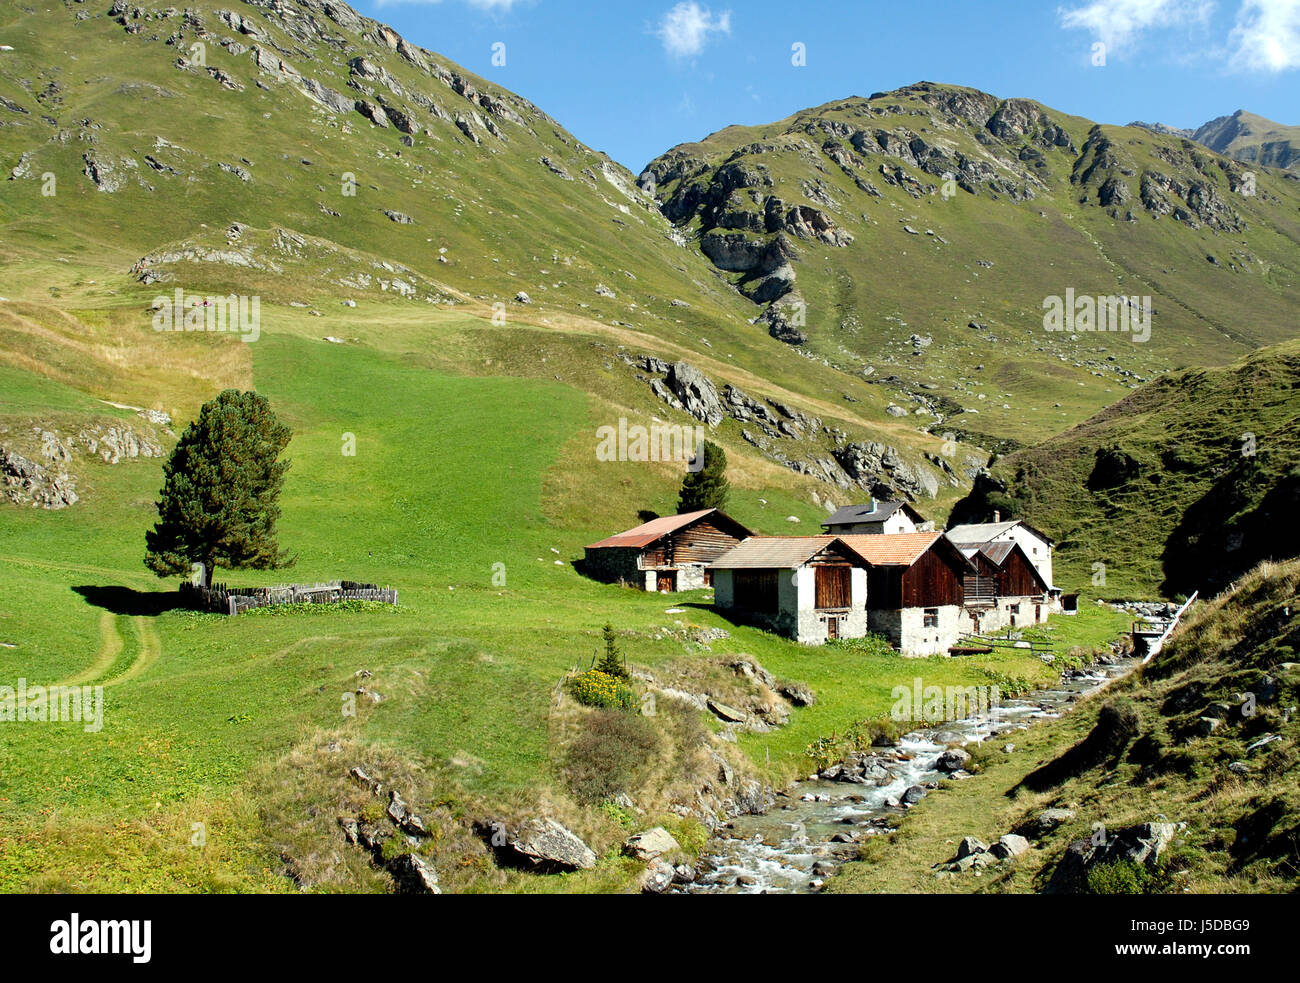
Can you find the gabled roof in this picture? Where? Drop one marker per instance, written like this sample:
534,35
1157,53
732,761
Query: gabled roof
773,552
900,549
999,553
982,532
656,529
871,512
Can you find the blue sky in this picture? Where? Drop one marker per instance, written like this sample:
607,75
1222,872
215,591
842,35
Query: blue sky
634,79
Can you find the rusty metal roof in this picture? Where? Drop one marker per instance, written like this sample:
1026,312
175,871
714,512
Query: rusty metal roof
900,549
773,552
649,532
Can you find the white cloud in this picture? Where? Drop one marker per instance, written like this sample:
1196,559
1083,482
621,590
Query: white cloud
686,28
1121,24
1266,37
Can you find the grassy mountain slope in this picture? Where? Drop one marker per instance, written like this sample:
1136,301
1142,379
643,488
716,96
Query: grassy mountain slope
943,213
475,452
1236,796
474,415
1182,486
341,165
204,712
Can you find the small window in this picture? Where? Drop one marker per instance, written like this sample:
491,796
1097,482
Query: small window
931,618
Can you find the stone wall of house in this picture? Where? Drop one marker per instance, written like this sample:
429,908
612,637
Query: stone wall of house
690,576
1025,614
887,623
998,616
811,623
906,629
615,565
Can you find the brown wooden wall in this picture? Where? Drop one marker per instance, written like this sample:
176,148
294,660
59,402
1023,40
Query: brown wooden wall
884,588
932,581
702,542
1017,578
833,586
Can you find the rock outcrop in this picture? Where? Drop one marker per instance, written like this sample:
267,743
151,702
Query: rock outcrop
1142,844
541,844
24,482
695,392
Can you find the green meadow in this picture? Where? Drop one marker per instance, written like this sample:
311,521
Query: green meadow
451,498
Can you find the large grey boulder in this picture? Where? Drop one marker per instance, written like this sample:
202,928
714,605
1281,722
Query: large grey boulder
1142,844
1009,845
1048,820
651,844
545,843
658,877
800,694
728,713
414,875
970,845
954,759
751,669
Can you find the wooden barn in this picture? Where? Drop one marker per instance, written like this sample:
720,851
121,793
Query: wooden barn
667,554
915,589
1037,546
809,588
1005,588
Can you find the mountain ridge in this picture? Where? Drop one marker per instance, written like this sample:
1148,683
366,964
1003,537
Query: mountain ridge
1243,136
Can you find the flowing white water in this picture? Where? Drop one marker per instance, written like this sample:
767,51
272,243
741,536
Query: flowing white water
817,825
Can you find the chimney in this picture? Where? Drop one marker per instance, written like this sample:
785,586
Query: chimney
997,516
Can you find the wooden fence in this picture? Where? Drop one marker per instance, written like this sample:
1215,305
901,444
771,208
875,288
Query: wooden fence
223,599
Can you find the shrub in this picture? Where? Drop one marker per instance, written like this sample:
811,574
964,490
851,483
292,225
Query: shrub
1128,877
601,690
611,755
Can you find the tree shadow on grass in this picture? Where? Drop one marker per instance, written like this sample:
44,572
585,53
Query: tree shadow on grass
129,601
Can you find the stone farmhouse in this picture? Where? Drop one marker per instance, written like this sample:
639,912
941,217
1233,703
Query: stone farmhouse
809,588
876,518
667,554
915,589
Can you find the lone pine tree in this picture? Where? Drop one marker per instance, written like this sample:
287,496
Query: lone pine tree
220,486
612,663
708,487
